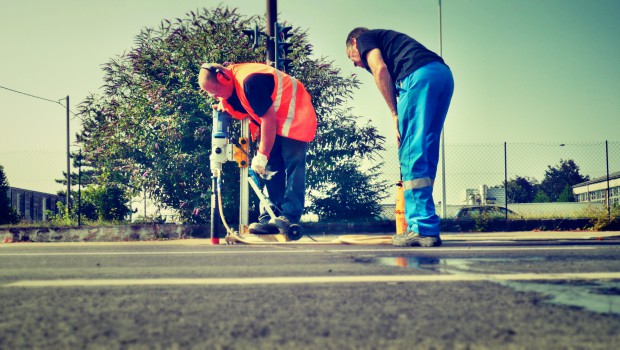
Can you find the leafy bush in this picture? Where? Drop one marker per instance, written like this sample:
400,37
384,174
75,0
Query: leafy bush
601,218
99,206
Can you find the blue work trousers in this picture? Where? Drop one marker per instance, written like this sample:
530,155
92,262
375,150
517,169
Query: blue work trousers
423,100
287,188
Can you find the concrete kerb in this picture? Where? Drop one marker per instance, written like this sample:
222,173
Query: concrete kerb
152,232
120,233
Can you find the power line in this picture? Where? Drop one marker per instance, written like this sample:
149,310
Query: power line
68,200
23,93
44,99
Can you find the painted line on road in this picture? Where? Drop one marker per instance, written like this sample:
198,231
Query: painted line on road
298,251
313,280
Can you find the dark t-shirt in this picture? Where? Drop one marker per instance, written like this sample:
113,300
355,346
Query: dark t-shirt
258,88
402,54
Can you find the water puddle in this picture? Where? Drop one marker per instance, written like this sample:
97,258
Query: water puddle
597,296
424,263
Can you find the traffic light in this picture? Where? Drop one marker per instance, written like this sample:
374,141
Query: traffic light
254,36
282,48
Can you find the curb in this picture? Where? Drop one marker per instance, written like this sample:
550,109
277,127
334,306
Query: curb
120,233
157,232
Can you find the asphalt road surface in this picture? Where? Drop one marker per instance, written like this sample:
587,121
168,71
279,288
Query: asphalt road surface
188,294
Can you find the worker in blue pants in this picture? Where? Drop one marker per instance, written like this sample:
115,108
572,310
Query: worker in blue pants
417,86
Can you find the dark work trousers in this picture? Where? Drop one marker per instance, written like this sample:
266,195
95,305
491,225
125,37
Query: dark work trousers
287,188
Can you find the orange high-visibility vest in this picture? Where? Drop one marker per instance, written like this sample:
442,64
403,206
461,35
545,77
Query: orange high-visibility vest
296,118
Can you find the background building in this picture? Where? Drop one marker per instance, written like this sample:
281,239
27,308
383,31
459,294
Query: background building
32,205
484,195
596,190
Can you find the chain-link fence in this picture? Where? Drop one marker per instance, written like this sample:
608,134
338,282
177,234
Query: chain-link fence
475,175
34,170
31,176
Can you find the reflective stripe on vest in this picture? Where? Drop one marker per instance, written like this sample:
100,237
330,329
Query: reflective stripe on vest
291,109
417,183
286,126
278,99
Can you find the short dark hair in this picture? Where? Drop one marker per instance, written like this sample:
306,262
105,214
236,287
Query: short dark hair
355,33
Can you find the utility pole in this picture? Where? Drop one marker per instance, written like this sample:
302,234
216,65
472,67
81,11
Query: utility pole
68,198
67,210
272,18
244,190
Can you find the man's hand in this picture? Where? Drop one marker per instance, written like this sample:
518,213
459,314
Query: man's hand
395,118
219,107
259,162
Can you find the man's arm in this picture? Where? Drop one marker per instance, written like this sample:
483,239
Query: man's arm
382,78
268,128
258,88
384,82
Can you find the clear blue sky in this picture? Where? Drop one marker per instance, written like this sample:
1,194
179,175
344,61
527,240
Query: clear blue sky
525,70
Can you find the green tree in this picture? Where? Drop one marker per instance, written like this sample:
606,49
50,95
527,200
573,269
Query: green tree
352,196
521,189
105,203
100,200
150,128
541,197
558,178
8,215
566,195
86,174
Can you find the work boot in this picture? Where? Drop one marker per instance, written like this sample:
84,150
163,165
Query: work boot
281,222
263,227
412,239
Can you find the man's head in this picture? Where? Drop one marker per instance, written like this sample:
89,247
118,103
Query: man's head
215,80
352,51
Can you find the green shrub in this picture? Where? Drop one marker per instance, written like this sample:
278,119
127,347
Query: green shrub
601,218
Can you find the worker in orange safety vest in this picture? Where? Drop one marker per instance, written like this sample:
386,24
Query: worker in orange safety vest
282,118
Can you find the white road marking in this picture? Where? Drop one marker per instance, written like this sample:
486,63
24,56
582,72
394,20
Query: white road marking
299,251
313,280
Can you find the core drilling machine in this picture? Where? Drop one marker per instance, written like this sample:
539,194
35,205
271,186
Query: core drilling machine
222,150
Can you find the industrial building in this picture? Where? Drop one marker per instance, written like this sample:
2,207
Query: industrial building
32,205
596,190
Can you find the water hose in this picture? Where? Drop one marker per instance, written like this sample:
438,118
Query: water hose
363,239
229,232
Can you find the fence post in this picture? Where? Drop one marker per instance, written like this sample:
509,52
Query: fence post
506,179
80,188
608,192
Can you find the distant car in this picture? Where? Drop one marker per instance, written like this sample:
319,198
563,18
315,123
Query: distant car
485,211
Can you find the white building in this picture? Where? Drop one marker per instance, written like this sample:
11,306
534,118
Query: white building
484,196
596,190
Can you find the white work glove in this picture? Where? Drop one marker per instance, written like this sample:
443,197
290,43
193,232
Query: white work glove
259,162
